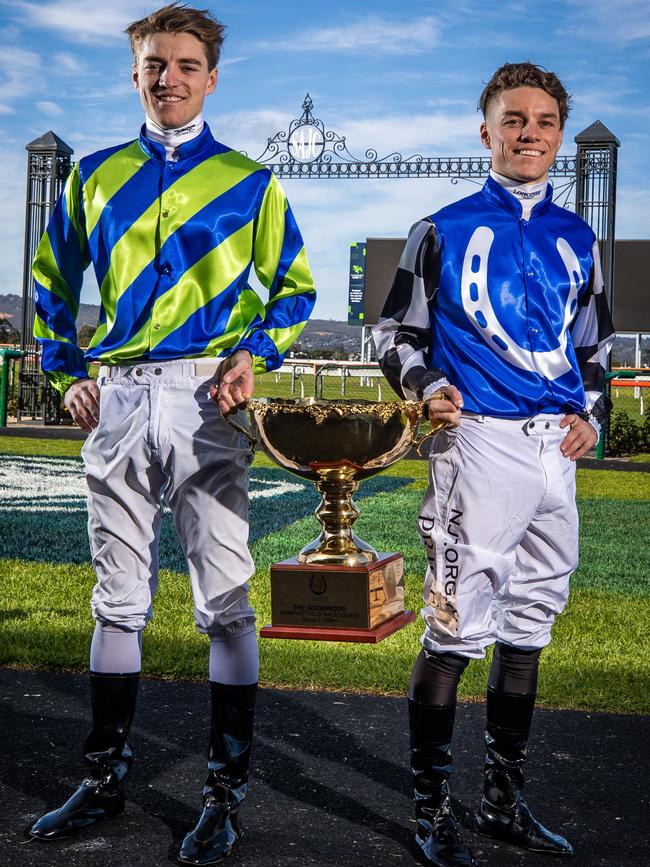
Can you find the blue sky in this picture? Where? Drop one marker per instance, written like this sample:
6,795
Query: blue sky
405,80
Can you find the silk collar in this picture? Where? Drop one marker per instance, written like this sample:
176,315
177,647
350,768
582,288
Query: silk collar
187,151
498,195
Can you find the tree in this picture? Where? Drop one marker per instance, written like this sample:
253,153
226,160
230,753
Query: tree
85,335
8,334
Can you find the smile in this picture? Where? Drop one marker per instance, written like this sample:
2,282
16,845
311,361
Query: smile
169,98
530,153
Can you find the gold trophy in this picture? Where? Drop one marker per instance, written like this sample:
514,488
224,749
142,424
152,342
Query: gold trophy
338,588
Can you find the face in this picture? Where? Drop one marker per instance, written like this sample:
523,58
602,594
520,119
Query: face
522,129
172,77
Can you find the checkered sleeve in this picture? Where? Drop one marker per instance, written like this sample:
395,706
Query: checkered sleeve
403,334
593,335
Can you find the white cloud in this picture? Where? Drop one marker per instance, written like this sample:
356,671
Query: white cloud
246,130
19,71
12,219
432,133
231,61
68,62
370,33
84,19
49,108
465,103
453,134
333,214
609,100
6,109
120,88
625,21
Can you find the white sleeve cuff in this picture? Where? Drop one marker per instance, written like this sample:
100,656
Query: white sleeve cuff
433,387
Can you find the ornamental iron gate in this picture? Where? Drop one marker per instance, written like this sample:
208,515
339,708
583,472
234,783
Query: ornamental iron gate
308,150
587,183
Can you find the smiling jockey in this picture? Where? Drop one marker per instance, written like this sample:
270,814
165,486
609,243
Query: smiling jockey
172,223
498,319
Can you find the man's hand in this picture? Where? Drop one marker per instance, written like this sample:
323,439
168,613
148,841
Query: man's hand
446,409
82,400
236,382
580,439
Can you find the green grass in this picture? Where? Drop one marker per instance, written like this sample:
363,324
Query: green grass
594,662
625,401
280,385
12,445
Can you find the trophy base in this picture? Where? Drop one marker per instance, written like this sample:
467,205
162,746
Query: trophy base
323,602
360,636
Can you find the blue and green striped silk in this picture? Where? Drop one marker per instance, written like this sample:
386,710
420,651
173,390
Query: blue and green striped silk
172,244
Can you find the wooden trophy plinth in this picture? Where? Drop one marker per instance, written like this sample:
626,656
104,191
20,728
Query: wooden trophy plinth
317,602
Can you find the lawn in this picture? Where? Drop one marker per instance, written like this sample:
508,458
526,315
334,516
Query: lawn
595,661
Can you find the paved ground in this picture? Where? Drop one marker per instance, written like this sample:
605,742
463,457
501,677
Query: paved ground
330,785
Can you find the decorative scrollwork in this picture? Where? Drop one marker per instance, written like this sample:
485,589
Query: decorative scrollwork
40,165
49,165
308,150
563,194
320,409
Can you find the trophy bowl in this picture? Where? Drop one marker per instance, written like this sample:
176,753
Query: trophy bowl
336,444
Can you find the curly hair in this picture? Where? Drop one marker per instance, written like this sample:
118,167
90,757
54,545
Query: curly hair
179,18
526,74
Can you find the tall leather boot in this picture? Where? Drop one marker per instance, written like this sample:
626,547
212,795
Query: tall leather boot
503,813
231,733
437,835
109,759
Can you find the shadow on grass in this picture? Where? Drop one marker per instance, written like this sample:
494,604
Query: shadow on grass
60,536
571,675
14,614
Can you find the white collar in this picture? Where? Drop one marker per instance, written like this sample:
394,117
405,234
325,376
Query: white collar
172,138
528,194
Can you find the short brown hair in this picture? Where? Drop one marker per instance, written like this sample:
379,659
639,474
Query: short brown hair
180,18
526,74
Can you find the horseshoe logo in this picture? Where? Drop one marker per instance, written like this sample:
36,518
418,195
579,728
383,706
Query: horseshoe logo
480,312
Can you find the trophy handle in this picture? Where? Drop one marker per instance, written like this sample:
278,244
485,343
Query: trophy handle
418,441
252,441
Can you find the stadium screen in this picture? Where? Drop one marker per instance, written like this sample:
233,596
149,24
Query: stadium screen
382,259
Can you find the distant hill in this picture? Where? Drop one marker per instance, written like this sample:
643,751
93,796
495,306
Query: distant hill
318,333
11,307
328,334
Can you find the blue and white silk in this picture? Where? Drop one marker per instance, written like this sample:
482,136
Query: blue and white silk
511,311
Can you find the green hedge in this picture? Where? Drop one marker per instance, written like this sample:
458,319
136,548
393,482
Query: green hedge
627,436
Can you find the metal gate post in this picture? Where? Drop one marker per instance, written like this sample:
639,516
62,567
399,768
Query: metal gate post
48,166
596,168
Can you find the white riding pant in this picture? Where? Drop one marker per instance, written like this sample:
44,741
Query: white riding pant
161,437
499,525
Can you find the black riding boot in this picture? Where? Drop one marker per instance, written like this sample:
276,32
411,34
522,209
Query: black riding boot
437,836
101,793
503,813
231,734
